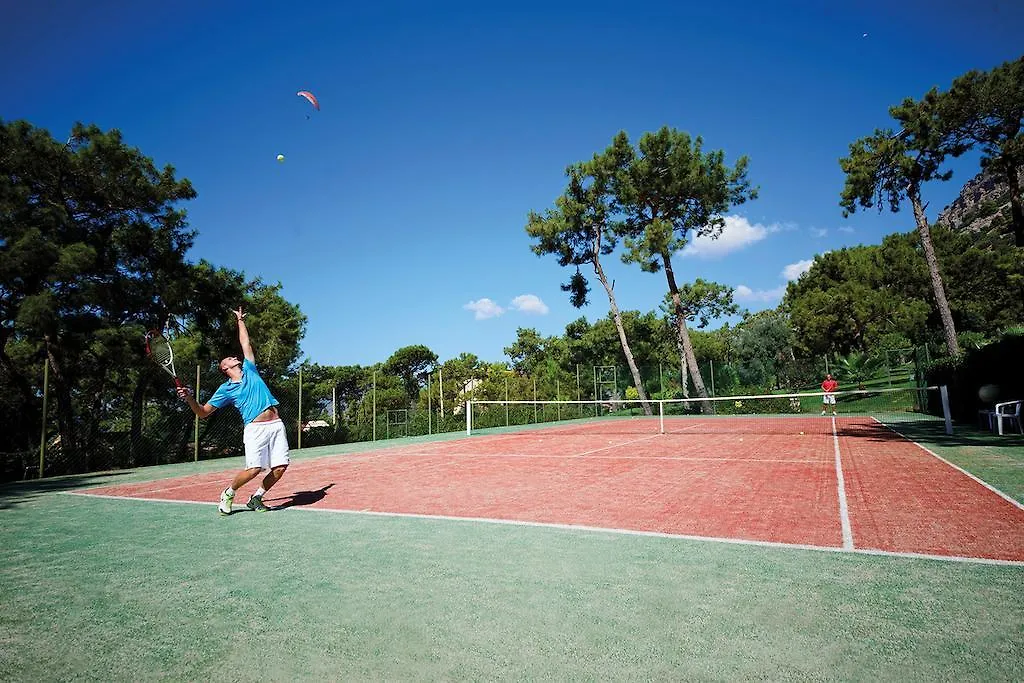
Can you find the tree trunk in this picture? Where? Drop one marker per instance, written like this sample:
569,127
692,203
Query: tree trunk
1016,211
633,369
65,412
914,193
683,335
682,367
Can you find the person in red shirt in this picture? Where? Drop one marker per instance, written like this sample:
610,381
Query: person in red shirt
829,398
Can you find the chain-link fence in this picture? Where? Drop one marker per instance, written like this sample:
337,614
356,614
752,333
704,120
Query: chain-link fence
146,424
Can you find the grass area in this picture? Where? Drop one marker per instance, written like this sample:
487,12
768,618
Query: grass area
97,589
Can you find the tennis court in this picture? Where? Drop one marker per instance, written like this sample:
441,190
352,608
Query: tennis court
721,546
848,483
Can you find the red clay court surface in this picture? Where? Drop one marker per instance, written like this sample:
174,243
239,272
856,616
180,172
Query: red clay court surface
860,488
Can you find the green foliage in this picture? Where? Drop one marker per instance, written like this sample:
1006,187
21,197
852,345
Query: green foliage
700,302
410,363
92,254
987,108
878,297
857,367
972,340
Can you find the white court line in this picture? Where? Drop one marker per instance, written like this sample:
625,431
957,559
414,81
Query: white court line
844,513
578,527
618,445
935,455
613,457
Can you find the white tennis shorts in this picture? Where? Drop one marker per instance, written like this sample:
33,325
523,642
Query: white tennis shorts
266,445
828,398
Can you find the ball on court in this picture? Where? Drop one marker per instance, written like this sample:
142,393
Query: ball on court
280,157
801,433
988,393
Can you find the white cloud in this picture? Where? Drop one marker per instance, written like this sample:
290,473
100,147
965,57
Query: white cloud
846,228
819,232
744,293
529,303
737,234
484,309
795,270
789,273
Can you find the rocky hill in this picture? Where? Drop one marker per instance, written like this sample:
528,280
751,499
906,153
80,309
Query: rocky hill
984,203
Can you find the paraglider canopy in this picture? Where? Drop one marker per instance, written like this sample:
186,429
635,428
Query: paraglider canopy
311,97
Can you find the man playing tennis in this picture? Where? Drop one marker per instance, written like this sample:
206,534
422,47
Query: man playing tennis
266,444
829,398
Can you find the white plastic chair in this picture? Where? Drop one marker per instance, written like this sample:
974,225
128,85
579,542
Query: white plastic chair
1008,411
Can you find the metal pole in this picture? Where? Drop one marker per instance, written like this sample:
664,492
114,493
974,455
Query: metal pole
46,391
300,408
373,418
558,399
506,400
579,392
944,394
661,381
440,393
712,362
535,400
430,415
195,439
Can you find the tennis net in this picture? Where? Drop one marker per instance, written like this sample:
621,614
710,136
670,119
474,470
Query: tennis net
852,413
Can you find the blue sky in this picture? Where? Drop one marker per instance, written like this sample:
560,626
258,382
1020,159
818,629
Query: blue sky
398,215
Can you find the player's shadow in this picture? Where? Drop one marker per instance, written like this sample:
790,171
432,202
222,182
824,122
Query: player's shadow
303,498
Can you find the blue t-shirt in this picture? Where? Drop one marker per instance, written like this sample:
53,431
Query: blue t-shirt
250,395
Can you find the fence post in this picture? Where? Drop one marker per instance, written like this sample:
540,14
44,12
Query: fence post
579,392
558,398
46,391
300,409
430,406
535,400
195,426
373,417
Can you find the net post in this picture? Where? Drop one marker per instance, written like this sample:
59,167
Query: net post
944,393
469,417
661,415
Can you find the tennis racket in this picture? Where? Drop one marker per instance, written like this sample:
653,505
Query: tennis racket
159,349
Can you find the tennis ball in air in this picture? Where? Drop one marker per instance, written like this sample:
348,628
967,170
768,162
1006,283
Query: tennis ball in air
280,157
988,393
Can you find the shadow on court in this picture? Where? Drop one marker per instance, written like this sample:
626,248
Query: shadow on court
302,498
19,492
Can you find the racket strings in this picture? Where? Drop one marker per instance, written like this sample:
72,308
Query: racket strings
160,351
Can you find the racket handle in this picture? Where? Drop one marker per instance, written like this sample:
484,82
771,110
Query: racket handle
177,382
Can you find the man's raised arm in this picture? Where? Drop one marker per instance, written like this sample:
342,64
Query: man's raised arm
243,336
